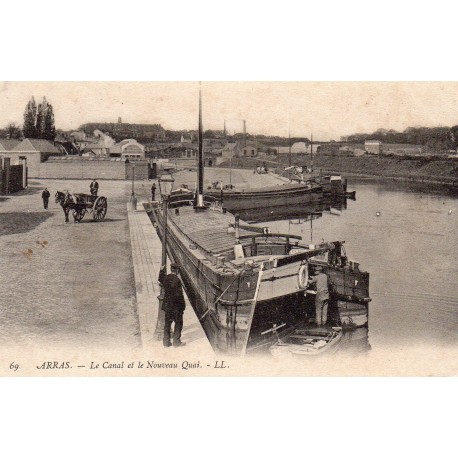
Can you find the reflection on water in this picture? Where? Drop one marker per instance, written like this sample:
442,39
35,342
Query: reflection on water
296,213
355,342
406,239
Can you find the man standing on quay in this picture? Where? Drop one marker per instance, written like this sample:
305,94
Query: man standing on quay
173,305
94,187
45,196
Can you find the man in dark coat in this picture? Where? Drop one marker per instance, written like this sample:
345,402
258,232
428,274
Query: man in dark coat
153,191
173,305
45,196
94,187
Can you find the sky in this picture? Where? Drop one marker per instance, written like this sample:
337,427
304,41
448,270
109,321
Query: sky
328,110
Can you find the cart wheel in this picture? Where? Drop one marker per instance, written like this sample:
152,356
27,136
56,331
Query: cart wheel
99,209
78,214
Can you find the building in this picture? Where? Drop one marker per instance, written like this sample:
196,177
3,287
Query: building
316,149
68,148
187,139
120,130
213,145
128,149
373,146
249,150
212,159
7,144
96,149
13,178
299,148
230,150
188,153
33,150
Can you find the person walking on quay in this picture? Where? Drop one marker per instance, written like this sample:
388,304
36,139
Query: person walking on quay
322,297
153,192
173,305
133,201
45,196
94,187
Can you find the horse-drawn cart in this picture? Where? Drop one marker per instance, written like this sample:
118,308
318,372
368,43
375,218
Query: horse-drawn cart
97,205
79,204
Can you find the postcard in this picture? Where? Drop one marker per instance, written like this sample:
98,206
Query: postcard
227,229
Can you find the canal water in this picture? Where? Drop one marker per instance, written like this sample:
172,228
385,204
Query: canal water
407,239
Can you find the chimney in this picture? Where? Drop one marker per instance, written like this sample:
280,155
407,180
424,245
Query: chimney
244,132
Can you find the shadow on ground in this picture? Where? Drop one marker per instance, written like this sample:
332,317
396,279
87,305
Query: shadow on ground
18,223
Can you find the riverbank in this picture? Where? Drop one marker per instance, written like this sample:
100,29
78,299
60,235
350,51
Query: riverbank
421,169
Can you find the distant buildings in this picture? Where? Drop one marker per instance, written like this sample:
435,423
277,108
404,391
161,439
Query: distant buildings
373,146
299,148
95,149
141,132
230,150
33,150
249,150
214,145
128,149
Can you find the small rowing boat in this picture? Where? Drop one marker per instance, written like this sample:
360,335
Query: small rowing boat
307,341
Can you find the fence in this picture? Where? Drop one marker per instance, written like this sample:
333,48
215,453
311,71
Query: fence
13,178
90,169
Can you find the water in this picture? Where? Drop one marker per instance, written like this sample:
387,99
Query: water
411,252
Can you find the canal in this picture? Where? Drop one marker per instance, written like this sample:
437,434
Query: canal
406,238
404,235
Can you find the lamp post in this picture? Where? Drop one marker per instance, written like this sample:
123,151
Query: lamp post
133,178
165,187
230,172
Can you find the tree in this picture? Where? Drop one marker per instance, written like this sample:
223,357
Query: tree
41,116
30,116
50,128
13,131
39,123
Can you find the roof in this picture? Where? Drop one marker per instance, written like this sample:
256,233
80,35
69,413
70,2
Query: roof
7,144
35,145
127,140
372,142
214,142
67,147
96,146
231,146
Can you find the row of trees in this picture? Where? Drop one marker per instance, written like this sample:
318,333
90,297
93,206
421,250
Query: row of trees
39,120
437,138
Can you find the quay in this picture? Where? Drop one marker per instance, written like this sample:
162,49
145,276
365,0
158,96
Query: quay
91,285
146,258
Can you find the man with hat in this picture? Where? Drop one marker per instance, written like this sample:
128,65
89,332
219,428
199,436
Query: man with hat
94,187
45,196
173,305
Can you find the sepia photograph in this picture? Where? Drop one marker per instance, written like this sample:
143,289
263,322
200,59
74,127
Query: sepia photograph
228,215
229,228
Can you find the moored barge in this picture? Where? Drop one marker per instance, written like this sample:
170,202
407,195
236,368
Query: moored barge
242,280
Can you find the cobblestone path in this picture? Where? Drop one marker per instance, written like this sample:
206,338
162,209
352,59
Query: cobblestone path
66,285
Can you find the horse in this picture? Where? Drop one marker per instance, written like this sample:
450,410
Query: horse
67,203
